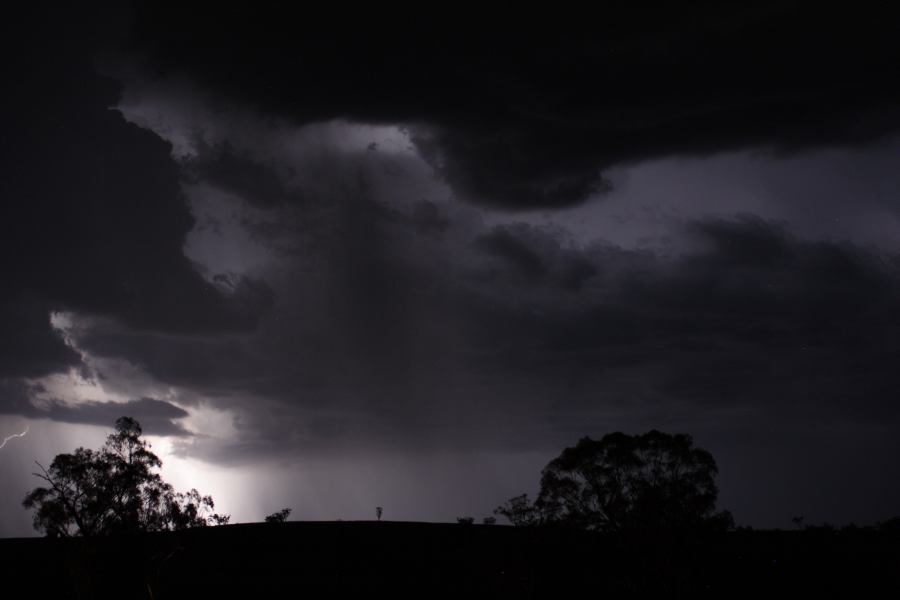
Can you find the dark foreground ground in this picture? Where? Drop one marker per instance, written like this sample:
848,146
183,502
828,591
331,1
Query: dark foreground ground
361,559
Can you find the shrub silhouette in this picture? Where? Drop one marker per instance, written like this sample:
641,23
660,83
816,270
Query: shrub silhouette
114,490
279,517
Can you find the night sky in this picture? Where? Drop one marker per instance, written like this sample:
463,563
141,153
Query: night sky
334,261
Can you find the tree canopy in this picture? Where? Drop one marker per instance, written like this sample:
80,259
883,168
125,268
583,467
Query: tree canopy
114,490
654,481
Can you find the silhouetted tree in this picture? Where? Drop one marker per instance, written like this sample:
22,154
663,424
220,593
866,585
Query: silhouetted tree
465,520
113,490
891,525
655,481
279,517
519,511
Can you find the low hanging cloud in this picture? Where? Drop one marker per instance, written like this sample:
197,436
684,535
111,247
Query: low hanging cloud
157,417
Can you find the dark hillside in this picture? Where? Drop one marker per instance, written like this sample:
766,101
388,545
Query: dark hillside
327,559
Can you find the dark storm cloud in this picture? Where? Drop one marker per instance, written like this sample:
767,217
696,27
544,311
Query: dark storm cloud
388,335
225,167
756,280
92,217
750,316
526,110
428,219
28,345
516,252
155,416
535,255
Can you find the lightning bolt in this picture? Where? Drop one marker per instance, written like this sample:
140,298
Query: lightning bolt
15,435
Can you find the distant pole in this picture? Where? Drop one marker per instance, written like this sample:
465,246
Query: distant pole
378,511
